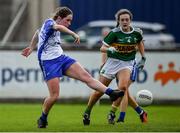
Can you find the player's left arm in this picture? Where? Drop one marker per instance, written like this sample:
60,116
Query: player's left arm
62,28
141,63
141,49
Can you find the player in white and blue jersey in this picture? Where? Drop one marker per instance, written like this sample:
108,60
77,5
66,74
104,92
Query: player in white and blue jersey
55,64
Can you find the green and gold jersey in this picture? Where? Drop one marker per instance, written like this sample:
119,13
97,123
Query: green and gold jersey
124,42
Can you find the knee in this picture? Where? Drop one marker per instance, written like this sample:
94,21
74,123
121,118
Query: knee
86,77
54,97
124,88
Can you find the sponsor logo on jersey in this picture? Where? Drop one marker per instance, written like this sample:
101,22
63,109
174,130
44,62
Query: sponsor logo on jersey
124,48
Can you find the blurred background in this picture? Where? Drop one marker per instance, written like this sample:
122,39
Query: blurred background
159,19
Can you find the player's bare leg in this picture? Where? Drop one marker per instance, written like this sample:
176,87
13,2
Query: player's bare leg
76,71
138,109
111,115
95,96
53,86
92,100
123,84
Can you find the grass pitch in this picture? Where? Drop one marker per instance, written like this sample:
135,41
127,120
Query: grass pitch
68,118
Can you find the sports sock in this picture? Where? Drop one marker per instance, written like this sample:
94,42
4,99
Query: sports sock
108,91
44,116
113,109
139,110
88,110
121,116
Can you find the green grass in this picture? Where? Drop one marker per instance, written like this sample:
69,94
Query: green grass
68,118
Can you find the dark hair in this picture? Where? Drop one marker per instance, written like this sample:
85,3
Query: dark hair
120,12
62,12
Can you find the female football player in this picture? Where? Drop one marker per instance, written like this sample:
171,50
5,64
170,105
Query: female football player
54,63
120,47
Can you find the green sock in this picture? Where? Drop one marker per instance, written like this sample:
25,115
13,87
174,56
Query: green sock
113,109
88,110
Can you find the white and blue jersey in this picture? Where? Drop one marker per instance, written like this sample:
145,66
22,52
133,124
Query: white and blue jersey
52,61
49,41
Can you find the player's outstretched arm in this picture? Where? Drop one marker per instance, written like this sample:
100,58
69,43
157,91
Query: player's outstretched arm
28,50
62,28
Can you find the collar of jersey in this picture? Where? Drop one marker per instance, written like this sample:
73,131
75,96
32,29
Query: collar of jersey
127,32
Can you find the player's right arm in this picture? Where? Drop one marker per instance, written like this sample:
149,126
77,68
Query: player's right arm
104,48
103,58
28,50
108,40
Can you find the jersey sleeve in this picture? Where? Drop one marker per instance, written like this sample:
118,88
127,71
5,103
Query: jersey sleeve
47,29
140,35
48,25
109,38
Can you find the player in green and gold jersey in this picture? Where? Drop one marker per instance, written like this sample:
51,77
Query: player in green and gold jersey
120,46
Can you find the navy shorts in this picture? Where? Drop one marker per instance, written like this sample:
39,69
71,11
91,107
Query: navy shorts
55,67
134,73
